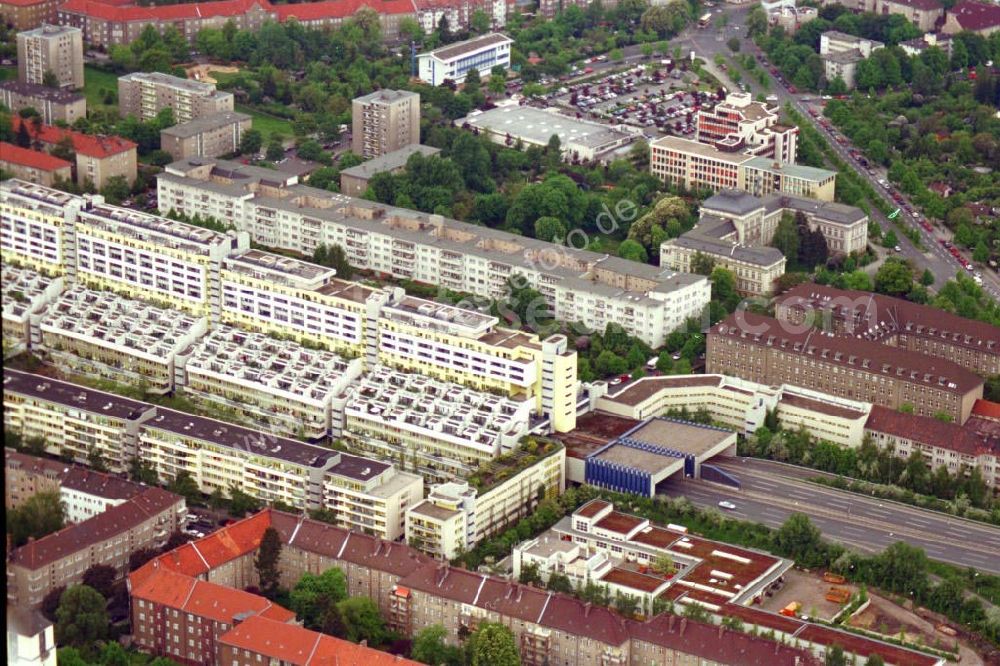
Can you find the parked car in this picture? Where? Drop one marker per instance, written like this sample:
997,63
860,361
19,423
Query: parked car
726,504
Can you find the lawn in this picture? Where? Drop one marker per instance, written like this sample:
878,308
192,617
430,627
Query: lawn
267,124
95,83
8,73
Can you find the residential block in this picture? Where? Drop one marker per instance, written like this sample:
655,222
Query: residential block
384,121
209,136
98,158
55,49
52,104
145,94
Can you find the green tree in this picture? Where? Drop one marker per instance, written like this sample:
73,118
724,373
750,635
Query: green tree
82,617
559,582
889,240
429,647
734,44
23,136
549,228
927,279
275,150
312,595
184,485
113,654
42,514
529,574
702,264
116,190
894,278
630,249
799,539
835,656
102,578
875,660
786,238
663,565
363,621
251,142
981,253
49,79
902,568
241,503
492,644
266,562
756,21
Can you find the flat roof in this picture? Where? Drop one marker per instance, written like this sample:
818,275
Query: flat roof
794,170
390,161
386,95
691,438
72,395
468,46
620,523
432,510
358,468
705,150
159,78
206,123
38,91
633,579
637,392
647,461
538,125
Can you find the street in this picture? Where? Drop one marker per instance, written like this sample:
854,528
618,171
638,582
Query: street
771,492
709,41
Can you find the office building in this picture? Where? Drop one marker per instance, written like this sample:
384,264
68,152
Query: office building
209,136
841,54
34,166
457,515
579,140
130,342
577,285
98,158
354,181
31,638
28,14
453,62
109,538
145,94
52,104
769,351
276,385
982,18
735,230
743,125
55,49
695,165
894,322
384,121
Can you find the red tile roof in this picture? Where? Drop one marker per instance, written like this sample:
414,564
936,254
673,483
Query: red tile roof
30,158
312,11
987,409
292,644
976,15
21,3
194,10
923,5
862,646
923,429
92,146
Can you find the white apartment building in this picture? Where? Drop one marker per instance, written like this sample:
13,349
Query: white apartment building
277,385
25,296
457,515
454,61
370,496
31,638
578,285
841,54
36,225
101,333
85,493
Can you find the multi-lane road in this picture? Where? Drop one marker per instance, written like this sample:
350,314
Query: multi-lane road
708,42
771,492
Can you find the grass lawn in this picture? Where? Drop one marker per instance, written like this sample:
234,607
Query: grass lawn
94,81
267,124
8,73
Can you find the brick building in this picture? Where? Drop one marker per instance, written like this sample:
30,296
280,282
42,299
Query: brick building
895,322
28,14
770,351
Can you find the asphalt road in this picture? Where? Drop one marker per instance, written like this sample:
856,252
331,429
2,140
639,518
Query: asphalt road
771,492
709,41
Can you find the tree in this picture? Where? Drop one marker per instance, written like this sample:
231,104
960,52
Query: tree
429,647
733,44
549,228
275,150
184,485
927,279
312,595
241,503
559,582
786,238
663,565
82,616
529,574
266,562
756,22
23,137
101,577
799,539
492,644
902,568
362,621
982,253
629,249
64,149
889,240
50,603
251,142
114,654
894,278
875,660
49,79
835,656
702,264
42,514
140,557
116,190
334,257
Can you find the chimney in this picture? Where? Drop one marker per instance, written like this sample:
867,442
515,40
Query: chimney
586,609
684,624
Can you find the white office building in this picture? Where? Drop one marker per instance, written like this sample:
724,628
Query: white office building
454,61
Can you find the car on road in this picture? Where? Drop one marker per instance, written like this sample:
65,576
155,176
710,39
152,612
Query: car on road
898,249
726,504
615,382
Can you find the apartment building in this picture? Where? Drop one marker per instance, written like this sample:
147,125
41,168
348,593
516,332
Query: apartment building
982,18
456,516
144,94
925,14
453,62
31,638
767,350
841,54
365,494
33,166
276,385
122,340
735,229
894,322
578,285
26,294
109,538
51,48
328,14
354,181
210,136
52,104
791,18
743,125
695,165
459,12
36,233
438,429
25,476
98,158
384,121
28,14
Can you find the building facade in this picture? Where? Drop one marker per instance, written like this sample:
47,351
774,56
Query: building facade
144,94
766,350
31,638
210,136
28,14
98,158
982,18
52,104
52,48
354,181
841,54
741,124
384,121
454,61
33,166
